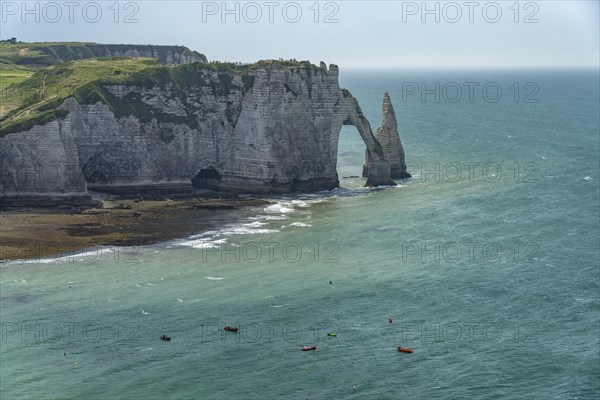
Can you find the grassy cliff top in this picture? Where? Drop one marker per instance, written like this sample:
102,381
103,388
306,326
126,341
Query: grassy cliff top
19,60
30,93
44,54
45,89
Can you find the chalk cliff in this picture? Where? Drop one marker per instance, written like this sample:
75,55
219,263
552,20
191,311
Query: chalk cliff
389,138
40,167
272,128
41,54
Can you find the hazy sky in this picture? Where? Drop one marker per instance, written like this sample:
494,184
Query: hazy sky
383,34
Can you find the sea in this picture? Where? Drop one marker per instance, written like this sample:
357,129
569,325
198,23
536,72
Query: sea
485,263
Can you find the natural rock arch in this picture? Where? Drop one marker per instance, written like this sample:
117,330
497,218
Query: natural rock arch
351,114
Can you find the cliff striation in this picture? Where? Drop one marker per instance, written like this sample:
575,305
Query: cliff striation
269,127
389,138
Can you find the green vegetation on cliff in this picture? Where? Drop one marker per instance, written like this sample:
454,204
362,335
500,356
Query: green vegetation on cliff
8,76
178,80
46,89
20,60
27,103
35,55
35,79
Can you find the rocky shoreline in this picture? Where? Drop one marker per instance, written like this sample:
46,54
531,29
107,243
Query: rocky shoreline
38,233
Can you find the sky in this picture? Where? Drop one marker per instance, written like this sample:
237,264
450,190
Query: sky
352,34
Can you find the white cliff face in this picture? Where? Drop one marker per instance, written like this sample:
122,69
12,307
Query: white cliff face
41,164
278,133
389,138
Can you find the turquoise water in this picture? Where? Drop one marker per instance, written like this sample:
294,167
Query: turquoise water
487,265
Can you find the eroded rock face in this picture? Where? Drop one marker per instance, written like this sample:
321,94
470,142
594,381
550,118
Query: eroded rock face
41,165
389,138
279,134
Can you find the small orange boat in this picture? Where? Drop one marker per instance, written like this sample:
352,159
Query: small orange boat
404,350
231,329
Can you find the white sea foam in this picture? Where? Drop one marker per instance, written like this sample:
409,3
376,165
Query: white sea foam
204,243
255,224
89,256
277,211
215,239
145,312
270,217
300,203
299,224
278,208
205,234
245,230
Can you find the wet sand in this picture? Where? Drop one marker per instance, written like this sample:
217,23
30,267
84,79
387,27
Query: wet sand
47,232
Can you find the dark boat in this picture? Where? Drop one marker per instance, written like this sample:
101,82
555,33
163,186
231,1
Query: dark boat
309,348
231,329
165,337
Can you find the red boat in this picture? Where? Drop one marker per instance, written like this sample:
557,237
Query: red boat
404,350
165,337
309,348
231,329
